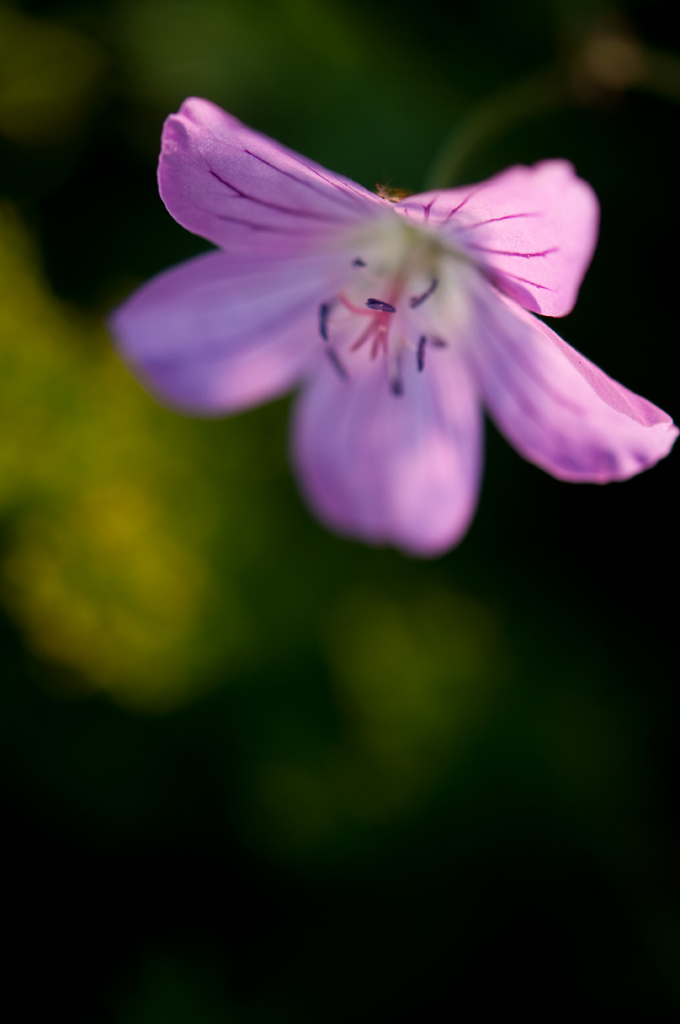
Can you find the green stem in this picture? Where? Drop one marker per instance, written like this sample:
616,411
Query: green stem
494,116
551,89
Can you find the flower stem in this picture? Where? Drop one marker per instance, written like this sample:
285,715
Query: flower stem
494,116
604,63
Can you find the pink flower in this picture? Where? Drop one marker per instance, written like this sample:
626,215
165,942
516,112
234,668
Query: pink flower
397,321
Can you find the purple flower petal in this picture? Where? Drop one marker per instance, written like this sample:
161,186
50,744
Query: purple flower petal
220,333
532,229
241,190
390,468
557,408
391,333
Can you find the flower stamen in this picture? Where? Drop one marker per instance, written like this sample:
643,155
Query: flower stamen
396,382
380,340
380,307
420,355
351,307
365,335
335,362
417,300
324,312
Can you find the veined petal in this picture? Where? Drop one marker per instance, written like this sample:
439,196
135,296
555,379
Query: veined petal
558,409
241,190
393,469
532,229
220,333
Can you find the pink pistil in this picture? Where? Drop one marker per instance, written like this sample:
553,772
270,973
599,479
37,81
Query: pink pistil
379,326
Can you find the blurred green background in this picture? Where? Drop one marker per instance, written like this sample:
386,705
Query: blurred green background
253,772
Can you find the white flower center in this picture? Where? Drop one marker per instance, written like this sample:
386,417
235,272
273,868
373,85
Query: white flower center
406,290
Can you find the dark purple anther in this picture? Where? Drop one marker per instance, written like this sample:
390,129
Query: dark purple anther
336,364
417,300
439,343
324,311
380,306
420,356
396,380
358,262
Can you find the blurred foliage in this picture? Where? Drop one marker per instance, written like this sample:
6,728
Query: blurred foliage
412,678
49,78
601,58
221,49
274,775
173,992
102,502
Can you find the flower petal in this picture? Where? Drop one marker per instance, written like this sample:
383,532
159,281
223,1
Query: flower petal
241,190
220,333
532,229
557,408
393,469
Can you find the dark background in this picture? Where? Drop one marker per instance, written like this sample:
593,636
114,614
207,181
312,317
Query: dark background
254,772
